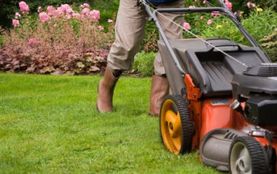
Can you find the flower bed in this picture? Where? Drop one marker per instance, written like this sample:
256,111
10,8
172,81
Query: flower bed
57,40
66,39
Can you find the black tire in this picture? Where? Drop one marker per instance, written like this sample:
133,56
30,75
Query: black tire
179,106
246,155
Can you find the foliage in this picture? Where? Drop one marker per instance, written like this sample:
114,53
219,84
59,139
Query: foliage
262,25
238,5
258,24
109,7
89,55
143,63
59,45
270,44
199,22
1,40
272,4
108,10
9,7
151,36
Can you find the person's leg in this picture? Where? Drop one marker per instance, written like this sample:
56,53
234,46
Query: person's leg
159,89
129,32
160,86
106,90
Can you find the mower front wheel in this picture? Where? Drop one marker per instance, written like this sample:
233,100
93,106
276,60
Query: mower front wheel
247,156
176,125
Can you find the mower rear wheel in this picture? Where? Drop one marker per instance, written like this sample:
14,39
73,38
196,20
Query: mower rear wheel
247,156
176,125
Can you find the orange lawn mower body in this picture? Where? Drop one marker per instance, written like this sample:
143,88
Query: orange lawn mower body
215,128
223,99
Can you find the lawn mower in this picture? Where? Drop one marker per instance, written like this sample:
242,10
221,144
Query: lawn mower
223,98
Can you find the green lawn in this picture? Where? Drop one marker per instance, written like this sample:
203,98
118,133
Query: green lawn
49,124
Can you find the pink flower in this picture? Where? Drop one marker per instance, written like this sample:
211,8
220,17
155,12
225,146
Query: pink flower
215,13
85,11
76,15
33,42
205,1
39,9
51,11
110,21
24,8
85,5
186,26
56,13
15,22
60,10
94,15
209,22
43,17
100,28
68,16
66,9
251,5
17,15
228,4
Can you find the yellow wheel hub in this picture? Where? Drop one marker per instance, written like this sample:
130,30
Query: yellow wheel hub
171,127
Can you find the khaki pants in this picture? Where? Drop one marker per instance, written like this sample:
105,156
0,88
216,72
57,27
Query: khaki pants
129,32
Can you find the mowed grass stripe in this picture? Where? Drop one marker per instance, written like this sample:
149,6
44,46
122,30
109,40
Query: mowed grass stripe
49,124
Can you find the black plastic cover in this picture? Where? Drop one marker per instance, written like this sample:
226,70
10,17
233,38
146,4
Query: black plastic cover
262,110
211,70
246,85
263,70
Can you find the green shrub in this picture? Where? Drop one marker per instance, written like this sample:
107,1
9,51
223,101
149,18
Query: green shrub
1,37
143,63
270,44
1,40
108,8
259,24
268,4
149,43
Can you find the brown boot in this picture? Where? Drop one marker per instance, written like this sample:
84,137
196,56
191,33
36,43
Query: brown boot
159,89
105,90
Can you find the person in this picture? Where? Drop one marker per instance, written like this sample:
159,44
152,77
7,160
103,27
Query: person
129,31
